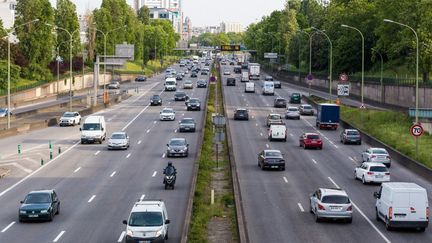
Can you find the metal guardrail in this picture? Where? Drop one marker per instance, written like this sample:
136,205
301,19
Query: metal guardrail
423,112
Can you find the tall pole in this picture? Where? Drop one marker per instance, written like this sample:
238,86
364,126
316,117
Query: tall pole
331,60
58,66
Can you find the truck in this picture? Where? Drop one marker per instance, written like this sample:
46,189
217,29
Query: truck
327,116
254,71
245,77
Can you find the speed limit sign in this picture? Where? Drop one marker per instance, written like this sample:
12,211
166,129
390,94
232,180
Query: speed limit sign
416,130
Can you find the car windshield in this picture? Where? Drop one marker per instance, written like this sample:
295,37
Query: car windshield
167,111
295,95
156,97
177,142
68,114
170,83
91,126
273,153
275,117
2,110
180,94
193,101
38,198
141,219
187,121
353,133
118,136
379,151
307,107
188,82
313,136
280,100
335,199
292,109
378,169
242,111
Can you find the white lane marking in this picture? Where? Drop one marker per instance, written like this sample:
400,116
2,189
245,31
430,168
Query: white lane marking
112,174
91,199
169,103
315,162
365,217
133,119
183,114
154,122
122,235
142,197
154,173
20,167
292,135
148,131
261,134
128,155
301,207
59,236
97,152
139,142
253,117
34,172
77,169
285,179
247,104
163,155
175,130
353,160
7,227
109,119
256,124
267,145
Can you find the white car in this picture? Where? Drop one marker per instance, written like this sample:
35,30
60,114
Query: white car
379,155
226,72
70,119
370,172
292,112
187,84
167,114
4,112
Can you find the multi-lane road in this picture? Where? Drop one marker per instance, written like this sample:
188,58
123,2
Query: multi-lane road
97,188
276,203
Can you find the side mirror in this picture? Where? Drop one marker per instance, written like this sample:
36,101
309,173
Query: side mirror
167,221
80,129
167,145
187,145
102,128
21,201
376,195
124,222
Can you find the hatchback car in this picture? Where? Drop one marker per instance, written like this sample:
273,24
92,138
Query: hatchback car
188,84
277,84
180,96
271,159
179,77
156,100
167,114
331,203
193,104
274,118
202,84
193,74
39,205
118,140
310,140
372,172
227,72
295,98
280,102
379,155
306,110
70,119
268,78
114,85
140,79
177,147
350,136
231,82
292,113
241,114
187,125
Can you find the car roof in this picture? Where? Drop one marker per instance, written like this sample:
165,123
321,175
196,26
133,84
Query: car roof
333,191
403,185
380,149
178,139
272,150
167,109
42,191
241,109
187,118
311,133
351,130
374,164
304,105
150,205
274,114
122,133
291,107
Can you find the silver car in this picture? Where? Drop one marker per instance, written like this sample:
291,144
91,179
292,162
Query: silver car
292,112
118,140
187,84
177,147
331,203
306,109
378,155
187,125
4,112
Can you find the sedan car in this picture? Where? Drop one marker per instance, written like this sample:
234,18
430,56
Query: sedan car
180,96
39,205
202,84
187,125
118,140
350,136
372,172
156,100
331,203
292,113
70,119
231,82
379,155
114,85
193,74
273,118
306,110
188,84
295,98
241,114
271,159
193,104
4,112
177,147
268,78
140,79
280,102
179,77
310,140
167,114
277,84
227,72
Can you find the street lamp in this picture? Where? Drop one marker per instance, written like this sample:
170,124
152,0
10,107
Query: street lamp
381,76
362,75
331,59
70,60
9,67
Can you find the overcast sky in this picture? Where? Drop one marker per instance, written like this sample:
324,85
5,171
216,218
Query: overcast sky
210,12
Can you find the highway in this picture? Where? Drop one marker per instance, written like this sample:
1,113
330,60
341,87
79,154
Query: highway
276,203
97,188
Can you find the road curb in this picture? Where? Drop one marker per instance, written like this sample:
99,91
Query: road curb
402,159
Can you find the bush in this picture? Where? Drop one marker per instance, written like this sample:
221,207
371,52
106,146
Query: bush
15,74
36,72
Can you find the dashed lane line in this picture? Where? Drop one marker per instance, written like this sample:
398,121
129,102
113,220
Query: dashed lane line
301,207
122,235
314,161
285,179
139,142
128,155
112,174
7,227
154,173
77,169
59,236
142,197
91,199
97,152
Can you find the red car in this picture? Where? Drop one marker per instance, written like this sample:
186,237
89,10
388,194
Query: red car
310,140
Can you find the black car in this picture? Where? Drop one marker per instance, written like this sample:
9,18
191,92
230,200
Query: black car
268,78
202,84
193,104
156,100
241,114
179,77
193,74
140,79
244,66
39,205
237,69
280,102
232,63
180,96
231,82
187,125
277,84
271,159
204,72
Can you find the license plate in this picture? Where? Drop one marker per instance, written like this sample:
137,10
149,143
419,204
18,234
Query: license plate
33,216
336,208
399,216
379,176
314,141
144,241
274,166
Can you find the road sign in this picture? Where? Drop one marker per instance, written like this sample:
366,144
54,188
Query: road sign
230,48
417,130
343,89
362,106
309,77
270,55
343,77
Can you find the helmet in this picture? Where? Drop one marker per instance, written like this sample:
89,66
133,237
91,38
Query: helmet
170,163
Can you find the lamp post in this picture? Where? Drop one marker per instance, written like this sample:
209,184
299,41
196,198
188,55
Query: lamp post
331,59
9,67
381,76
362,75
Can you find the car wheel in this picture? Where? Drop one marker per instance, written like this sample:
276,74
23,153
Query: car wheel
363,180
320,147
166,236
355,175
58,209
166,186
387,224
79,122
304,146
51,217
377,218
317,219
421,229
349,221
73,123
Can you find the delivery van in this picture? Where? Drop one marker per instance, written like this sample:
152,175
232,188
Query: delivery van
93,130
268,88
250,87
277,132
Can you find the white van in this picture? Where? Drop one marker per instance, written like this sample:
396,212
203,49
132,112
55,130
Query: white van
268,88
250,87
245,77
93,130
277,132
402,205
170,84
148,222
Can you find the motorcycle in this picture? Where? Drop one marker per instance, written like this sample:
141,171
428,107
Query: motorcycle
169,179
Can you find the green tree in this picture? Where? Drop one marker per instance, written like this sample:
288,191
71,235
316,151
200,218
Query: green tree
2,30
14,71
220,39
66,18
144,15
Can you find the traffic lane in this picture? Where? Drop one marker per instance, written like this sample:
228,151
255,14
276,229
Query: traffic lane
296,192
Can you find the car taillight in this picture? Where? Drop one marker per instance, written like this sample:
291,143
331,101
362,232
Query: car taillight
412,209
349,208
427,213
370,173
321,207
390,212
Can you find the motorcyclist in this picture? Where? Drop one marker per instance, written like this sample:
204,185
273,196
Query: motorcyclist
170,167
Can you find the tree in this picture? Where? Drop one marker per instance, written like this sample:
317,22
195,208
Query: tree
14,72
2,30
36,40
91,37
66,18
144,15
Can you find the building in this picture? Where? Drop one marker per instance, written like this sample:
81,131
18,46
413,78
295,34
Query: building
231,27
7,13
83,20
187,29
170,9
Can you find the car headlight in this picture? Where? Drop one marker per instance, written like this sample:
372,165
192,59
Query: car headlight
158,233
130,233
188,104
22,212
44,211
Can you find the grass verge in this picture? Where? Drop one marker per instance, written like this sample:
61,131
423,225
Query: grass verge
152,66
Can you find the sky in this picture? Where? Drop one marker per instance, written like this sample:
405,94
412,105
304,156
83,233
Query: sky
210,12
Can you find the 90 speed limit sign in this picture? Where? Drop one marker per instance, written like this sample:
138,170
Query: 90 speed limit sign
416,130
